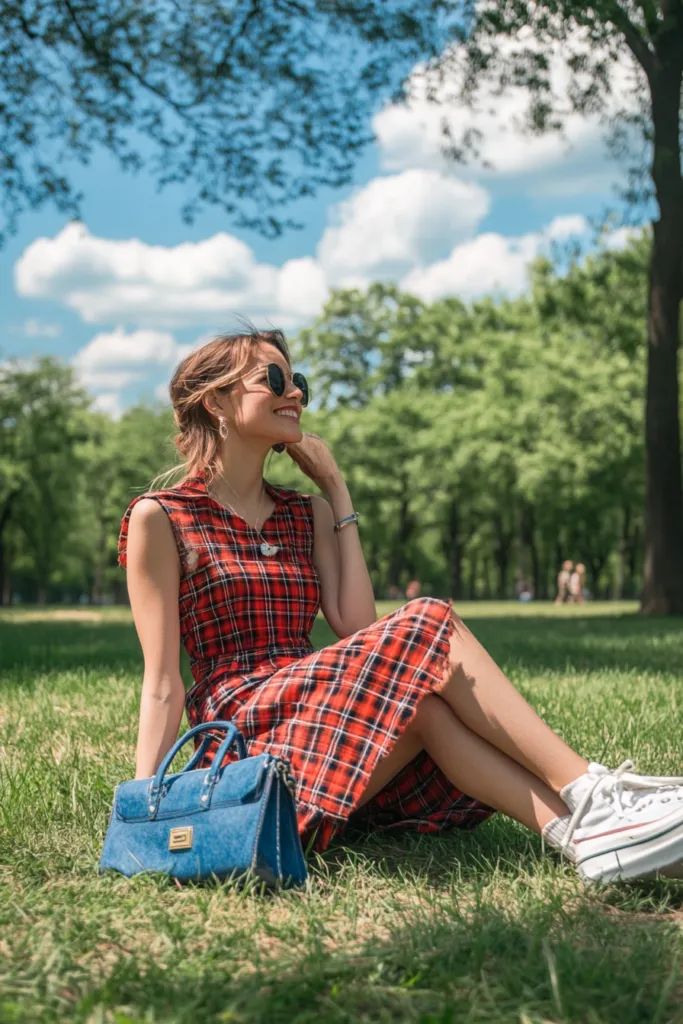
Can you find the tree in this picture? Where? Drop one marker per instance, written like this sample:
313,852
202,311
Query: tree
250,104
13,470
513,45
46,423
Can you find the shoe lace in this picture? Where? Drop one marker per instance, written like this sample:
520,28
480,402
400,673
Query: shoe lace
620,787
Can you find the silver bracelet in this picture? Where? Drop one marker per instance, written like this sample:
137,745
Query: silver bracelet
353,518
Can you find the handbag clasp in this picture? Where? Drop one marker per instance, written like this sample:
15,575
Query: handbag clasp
180,838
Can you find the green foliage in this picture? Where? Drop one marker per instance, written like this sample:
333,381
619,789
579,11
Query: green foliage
480,443
250,106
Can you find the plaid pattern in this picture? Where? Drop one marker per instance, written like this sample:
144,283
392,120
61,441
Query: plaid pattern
245,620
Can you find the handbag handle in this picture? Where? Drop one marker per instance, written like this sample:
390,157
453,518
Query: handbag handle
233,736
198,754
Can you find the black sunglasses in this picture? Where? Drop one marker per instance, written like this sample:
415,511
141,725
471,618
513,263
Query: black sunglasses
276,382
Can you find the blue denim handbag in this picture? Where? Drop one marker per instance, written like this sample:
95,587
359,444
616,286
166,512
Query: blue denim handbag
238,818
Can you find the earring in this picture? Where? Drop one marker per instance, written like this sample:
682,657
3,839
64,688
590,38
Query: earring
223,429
279,447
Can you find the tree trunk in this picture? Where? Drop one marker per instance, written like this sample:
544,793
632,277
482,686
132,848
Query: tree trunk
620,575
596,564
405,528
633,562
6,595
4,520
529,561
501,552
472,579
663,567
487,578
455,550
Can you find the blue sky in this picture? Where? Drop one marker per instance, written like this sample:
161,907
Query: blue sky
127,291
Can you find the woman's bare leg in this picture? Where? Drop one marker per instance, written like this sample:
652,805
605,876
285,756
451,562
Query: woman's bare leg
484,700
471,764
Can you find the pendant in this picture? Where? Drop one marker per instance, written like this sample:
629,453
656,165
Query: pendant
269,549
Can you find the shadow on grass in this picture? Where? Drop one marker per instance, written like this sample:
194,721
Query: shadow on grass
443,964
622,643
99,648
500,851
532,646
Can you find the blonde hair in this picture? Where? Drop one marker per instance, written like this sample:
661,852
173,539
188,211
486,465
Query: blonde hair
213,367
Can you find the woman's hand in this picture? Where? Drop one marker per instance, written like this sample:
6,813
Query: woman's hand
315,459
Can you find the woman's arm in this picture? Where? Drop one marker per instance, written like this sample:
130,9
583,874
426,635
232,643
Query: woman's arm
153,577
346,596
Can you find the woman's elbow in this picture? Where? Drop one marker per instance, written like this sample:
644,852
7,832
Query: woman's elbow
163,689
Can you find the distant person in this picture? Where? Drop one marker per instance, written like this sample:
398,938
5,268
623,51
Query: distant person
524,592
576,584
413,590
563,579
394,593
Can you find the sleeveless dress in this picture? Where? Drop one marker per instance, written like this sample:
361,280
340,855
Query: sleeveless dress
245,621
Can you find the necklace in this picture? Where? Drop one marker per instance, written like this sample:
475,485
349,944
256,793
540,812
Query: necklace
266,548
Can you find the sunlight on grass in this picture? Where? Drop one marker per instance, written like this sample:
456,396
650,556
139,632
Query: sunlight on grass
469,927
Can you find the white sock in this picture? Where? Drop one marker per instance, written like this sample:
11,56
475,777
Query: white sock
554,830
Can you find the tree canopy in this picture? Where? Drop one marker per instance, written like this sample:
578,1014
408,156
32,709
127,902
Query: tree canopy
250,105
483,443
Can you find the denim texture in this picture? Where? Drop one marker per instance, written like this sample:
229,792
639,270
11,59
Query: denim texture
242,816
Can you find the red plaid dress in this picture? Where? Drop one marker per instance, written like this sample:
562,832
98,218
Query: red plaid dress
245,621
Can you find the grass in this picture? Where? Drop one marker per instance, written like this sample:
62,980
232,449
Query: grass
469,927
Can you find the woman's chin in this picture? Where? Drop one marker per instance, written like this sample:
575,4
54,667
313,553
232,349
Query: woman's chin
293,435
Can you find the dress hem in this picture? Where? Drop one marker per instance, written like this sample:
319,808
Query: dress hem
333,821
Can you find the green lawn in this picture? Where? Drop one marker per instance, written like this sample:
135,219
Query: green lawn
475,926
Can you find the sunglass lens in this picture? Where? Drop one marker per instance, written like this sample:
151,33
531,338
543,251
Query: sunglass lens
276,379
301,383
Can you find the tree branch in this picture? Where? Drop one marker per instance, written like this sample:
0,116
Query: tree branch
649,9
90,44
634,40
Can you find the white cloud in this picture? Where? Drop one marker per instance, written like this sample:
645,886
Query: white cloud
114,360
389,225
621,237
568,226
301,288
109,403
161,392
397,221
412,135
490,263
107,280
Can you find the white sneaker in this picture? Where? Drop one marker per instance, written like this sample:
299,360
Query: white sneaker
622,825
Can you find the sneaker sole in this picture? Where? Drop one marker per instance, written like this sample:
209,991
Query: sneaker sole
657,855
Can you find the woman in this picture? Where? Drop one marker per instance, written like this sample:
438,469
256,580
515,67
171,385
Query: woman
405,722
576,584
563,578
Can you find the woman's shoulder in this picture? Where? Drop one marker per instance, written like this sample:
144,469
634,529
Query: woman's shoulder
287,493
178,504
179,496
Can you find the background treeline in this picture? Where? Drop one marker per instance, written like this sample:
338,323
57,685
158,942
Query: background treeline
481,442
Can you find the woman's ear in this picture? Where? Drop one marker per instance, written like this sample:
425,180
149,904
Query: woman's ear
212,404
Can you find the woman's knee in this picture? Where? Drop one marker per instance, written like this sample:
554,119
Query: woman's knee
436,606
420,605
430,709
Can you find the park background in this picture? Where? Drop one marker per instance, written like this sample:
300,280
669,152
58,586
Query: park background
484,288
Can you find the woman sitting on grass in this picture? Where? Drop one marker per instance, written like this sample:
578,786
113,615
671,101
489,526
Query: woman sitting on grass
406,721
